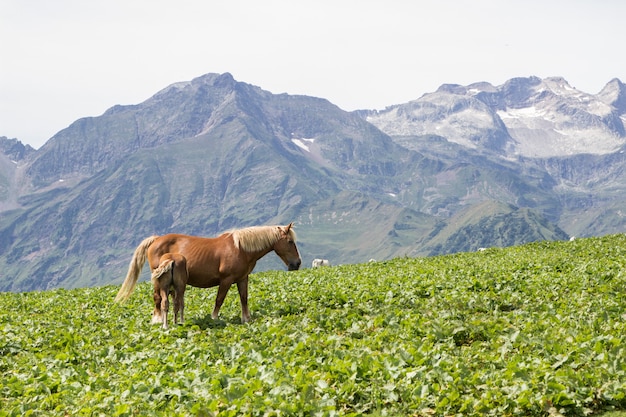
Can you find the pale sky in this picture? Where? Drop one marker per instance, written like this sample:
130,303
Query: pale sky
61,60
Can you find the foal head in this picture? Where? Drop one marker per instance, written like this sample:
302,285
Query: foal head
285,247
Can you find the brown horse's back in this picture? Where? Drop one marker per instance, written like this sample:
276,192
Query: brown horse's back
206,257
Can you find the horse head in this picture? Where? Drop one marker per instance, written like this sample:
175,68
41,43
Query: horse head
285,247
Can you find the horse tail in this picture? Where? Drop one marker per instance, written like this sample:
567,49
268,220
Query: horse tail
136,264
165,267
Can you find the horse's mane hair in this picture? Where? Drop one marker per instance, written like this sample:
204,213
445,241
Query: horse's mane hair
258,238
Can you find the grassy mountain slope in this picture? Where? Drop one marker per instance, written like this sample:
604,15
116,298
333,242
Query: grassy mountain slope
213,154
527,330
492,224
240,168
375,229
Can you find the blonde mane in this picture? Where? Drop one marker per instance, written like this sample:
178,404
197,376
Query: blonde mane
258,238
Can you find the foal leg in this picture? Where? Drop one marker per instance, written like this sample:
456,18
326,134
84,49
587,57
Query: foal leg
242,287
156,314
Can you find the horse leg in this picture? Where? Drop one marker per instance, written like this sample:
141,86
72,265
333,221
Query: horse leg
222,290
165,305
242,286
179,304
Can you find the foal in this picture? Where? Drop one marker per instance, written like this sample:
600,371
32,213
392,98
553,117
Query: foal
170,276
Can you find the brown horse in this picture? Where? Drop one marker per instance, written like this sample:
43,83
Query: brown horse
222,261
171,275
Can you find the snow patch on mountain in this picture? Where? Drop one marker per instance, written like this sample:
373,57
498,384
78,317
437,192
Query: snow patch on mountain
303,143
459,119
543,133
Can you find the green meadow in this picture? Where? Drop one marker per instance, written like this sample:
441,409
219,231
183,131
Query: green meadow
532,330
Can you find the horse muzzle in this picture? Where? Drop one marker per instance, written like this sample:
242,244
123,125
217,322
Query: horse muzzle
294,266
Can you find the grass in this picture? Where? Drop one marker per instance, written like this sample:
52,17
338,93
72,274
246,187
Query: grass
537,329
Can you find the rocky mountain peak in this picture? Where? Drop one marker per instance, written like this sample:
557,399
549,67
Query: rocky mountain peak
529,117
217,81
14,149
519,90
614,94
179,111
559,85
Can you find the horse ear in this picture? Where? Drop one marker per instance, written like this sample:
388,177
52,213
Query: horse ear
289,226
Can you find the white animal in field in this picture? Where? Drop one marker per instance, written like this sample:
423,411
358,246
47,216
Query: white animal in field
320,262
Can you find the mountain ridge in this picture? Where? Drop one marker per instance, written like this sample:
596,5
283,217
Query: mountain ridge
524,117
213,153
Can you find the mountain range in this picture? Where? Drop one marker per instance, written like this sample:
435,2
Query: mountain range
459,169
